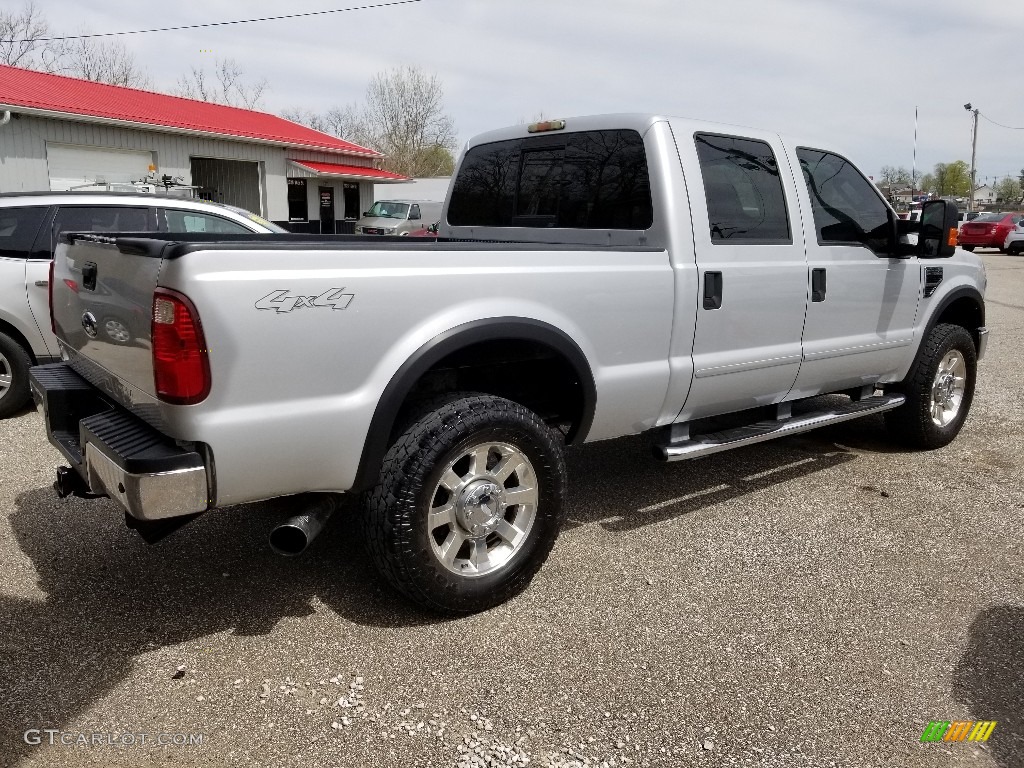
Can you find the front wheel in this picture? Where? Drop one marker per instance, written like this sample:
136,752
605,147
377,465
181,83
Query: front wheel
468,504
939,390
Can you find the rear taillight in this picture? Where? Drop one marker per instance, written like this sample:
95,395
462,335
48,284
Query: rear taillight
49,291
181,364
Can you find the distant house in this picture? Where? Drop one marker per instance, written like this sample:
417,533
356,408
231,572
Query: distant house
59,133
984,194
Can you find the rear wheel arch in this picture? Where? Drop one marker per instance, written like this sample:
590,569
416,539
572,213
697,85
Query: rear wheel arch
447,346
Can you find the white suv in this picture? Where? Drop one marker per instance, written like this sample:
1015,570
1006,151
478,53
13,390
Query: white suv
30,224
1014,243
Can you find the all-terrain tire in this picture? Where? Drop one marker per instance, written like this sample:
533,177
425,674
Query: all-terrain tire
397,520
14,363
923,422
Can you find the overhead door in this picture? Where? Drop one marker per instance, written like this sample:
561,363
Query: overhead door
235,182
71,166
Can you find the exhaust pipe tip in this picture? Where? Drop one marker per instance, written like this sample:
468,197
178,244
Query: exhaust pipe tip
295,534
289,539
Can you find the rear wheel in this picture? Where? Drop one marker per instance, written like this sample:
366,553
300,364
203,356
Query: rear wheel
939,390
14,365
468,504
968,247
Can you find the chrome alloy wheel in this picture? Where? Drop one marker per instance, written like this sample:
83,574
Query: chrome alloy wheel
6,375
482,509
948,388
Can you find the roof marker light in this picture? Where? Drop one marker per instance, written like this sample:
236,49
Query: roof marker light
547,125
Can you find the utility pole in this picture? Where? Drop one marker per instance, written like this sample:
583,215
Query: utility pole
974,153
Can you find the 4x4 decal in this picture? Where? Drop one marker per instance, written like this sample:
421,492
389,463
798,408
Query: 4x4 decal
286,301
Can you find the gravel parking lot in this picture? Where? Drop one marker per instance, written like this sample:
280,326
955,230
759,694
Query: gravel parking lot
810,602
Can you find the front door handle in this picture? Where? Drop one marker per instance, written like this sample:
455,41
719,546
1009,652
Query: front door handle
712,290
817,285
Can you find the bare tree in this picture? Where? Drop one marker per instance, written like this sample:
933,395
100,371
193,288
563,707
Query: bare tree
332,121
108,62
227,86
403,117
21,43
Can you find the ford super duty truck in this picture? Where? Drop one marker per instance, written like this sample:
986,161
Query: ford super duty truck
593,277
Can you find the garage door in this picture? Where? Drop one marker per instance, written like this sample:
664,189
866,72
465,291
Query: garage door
73,166
235,182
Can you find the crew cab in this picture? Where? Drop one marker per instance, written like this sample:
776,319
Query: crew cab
593,277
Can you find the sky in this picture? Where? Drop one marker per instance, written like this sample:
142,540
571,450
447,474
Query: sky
845,73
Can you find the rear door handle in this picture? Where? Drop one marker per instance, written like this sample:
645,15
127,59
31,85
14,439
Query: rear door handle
712,290
817,285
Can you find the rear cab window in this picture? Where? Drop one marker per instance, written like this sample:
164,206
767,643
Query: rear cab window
746,201
581,180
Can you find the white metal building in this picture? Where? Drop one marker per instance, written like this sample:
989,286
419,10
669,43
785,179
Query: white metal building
59,133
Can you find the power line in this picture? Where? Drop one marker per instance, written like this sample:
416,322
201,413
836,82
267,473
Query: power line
1010,127
213,23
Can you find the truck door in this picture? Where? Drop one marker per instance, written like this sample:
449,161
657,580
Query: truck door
860,319
752,273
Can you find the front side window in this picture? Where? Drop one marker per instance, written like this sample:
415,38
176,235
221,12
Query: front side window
743,190
847,208
18,228
584,180
195,221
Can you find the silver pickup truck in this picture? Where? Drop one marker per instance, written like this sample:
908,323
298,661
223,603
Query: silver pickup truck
593,277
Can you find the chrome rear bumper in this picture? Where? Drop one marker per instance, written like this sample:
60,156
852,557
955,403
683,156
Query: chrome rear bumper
114,452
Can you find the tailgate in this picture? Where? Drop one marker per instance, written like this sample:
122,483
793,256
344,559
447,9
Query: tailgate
102,302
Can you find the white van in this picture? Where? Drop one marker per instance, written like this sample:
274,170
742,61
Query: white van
398,217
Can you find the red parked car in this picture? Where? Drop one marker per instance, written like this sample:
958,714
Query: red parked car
430,231
989,230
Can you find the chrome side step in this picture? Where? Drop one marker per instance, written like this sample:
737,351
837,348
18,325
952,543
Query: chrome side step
704,445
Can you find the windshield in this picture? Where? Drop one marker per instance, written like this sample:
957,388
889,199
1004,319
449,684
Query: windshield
386,209
989,217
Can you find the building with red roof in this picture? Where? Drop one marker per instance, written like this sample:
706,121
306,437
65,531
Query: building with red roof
60,133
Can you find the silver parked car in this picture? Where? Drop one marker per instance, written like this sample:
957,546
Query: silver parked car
397,217
30,224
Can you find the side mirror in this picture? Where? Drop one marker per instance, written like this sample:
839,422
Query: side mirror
938,237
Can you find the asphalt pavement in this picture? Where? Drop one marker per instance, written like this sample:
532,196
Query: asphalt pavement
815,601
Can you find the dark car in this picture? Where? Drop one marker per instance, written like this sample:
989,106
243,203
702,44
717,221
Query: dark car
989,230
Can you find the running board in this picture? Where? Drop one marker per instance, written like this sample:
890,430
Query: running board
704,445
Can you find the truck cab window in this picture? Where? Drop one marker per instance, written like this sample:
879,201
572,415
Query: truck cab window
743,190
584,180
847,207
